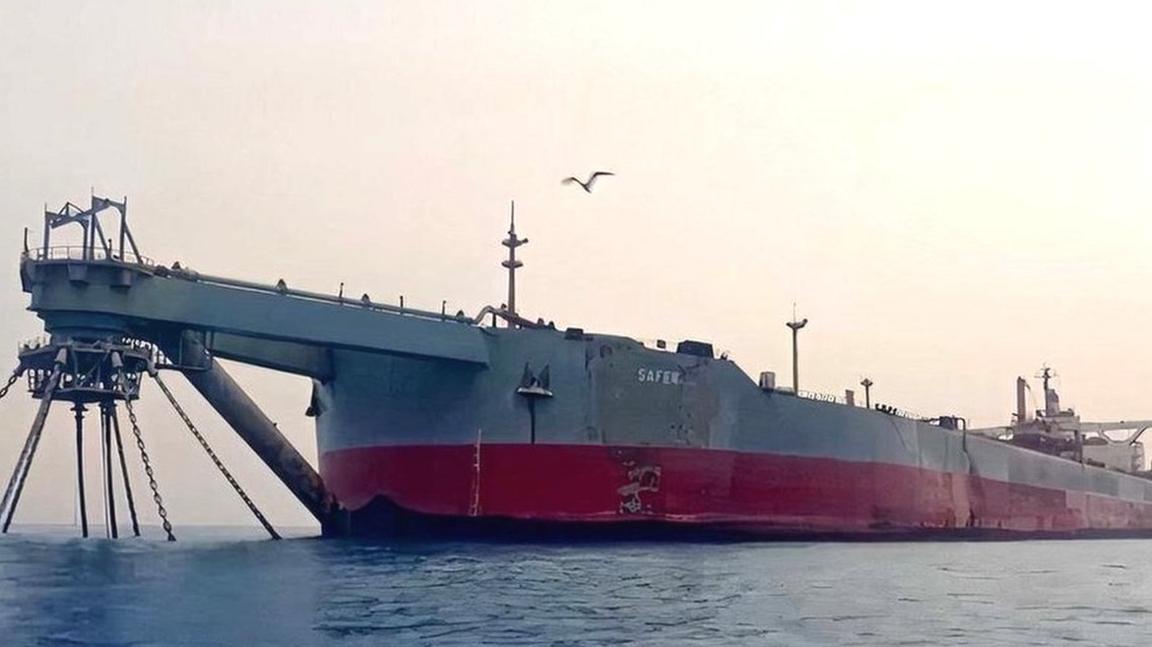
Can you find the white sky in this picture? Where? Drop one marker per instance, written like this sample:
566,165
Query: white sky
953,195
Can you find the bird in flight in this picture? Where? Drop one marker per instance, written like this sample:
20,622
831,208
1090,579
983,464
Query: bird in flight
587,186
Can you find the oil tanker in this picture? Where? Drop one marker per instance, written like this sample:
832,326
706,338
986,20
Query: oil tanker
503,425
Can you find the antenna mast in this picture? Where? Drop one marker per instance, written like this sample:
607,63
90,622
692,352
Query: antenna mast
512,242
1051,400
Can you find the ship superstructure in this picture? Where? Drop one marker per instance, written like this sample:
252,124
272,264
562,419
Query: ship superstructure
1060,431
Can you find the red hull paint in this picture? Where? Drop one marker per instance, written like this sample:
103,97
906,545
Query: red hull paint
758,492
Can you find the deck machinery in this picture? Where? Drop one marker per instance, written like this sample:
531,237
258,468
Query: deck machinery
429,421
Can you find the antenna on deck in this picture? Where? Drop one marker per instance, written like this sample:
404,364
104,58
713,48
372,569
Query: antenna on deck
1051,399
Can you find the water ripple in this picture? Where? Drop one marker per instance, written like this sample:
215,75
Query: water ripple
220,590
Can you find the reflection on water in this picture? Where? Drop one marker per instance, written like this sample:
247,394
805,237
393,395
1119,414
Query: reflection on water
227,586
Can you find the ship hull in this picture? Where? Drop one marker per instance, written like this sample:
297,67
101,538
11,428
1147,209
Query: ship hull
574,491
579,433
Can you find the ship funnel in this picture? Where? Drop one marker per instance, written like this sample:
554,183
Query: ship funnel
1052,403
1021,402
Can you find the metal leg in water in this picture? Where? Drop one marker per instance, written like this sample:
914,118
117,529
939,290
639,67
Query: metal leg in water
23,464
109,491
103,474
114,419
79,409
20,460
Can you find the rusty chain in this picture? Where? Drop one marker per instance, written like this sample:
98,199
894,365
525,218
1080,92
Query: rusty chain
11,380
147,463
144,452
215,459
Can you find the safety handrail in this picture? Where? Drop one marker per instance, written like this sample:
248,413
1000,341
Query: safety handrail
836,399
308,295
81,253
99,254
821,397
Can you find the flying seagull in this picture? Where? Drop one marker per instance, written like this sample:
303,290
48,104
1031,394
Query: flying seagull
587,186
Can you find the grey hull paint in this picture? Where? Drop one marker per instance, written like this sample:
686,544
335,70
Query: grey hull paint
600,399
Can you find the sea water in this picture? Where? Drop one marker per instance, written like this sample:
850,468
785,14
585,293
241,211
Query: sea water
230,587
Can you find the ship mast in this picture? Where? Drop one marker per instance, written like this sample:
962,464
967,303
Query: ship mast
512,242
1051,402
796,326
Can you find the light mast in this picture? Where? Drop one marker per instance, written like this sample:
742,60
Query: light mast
796,326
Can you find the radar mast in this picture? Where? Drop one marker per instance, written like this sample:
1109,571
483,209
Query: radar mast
512,242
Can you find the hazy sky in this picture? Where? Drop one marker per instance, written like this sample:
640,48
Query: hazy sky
953,195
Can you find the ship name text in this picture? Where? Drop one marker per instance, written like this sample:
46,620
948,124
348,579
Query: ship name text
658,376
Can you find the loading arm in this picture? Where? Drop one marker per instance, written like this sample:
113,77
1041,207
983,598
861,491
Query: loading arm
271,326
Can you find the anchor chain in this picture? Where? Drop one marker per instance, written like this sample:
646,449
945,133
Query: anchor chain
147,464
215,459
11,380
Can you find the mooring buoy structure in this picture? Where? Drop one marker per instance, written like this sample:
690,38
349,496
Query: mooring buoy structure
111,327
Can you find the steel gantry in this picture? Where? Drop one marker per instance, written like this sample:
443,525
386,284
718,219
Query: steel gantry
96,359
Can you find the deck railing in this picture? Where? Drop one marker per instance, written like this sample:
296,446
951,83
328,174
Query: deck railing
822,397
81,253
836,399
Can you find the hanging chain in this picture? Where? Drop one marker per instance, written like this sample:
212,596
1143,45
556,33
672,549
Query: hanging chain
215,459
147,463
11,380
23,453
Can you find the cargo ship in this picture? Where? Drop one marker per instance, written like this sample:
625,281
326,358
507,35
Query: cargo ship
509,426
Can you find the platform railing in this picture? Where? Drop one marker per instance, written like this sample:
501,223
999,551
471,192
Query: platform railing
836,399
822,397
33,343
309,295
81,253
99,254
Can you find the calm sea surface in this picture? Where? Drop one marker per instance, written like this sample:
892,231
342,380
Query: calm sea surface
227,586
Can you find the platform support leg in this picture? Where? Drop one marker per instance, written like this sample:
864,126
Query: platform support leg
79,409
115,422
24,464
109,490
